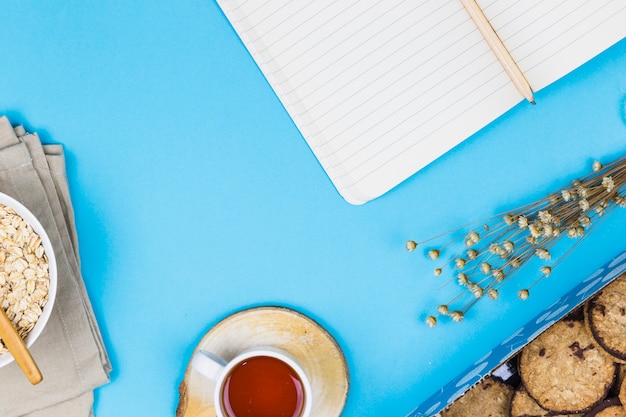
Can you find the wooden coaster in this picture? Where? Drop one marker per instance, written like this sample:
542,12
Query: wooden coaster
315,350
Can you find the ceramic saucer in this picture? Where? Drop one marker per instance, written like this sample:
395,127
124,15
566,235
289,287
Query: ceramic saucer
313,347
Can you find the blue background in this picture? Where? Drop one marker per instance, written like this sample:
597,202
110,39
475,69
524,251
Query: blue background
196,197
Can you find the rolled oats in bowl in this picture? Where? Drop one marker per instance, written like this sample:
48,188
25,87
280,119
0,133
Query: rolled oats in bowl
27,272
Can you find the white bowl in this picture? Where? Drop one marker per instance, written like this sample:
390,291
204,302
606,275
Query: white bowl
6,358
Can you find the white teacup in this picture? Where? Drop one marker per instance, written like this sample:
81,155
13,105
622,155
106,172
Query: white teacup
260,381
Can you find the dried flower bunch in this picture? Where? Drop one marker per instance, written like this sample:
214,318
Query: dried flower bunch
484,258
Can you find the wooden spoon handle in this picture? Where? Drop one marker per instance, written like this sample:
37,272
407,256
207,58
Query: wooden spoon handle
16,346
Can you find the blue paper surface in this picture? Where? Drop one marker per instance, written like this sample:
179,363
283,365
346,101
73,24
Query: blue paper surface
196,197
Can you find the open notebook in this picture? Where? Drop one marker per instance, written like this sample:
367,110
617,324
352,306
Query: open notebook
379,89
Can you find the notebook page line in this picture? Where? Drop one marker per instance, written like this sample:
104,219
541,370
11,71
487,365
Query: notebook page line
499,12
305,29
487,6
424,136
344,69
362,43
411,109
386,158
241,4
330,35
540,34
337,15
343,27
280,15
408,87
413,144
417,99
296,24
312,106
353,34
456,70
264,14
582,35
398,131
249,13
531,25
370,82
573,25
374,94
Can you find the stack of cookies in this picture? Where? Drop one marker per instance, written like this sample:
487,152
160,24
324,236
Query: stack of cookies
575,368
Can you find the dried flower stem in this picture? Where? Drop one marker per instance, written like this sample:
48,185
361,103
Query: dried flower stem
491,255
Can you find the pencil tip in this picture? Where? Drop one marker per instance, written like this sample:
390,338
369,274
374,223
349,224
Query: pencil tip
533,102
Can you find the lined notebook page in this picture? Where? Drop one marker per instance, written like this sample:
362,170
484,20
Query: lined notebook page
379,89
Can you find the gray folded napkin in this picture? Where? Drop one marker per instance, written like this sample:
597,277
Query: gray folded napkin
70,353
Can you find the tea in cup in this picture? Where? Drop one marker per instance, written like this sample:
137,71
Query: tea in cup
264,381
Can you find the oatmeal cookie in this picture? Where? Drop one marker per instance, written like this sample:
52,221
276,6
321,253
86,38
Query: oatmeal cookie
489,398
605,316
522,405
564,371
